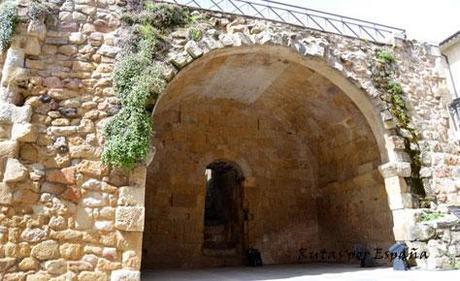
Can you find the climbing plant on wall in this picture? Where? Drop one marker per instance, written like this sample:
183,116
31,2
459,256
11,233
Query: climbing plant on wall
384,69
137,82
8,21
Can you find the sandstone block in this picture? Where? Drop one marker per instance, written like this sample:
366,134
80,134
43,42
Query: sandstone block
193,49
37,29
33,46
34,235
57,223
72,194
14,171
56,267
92,168
6,194
125,275
104,225
392,169
106,265
79,266
92,276
96,39
83,218
129,218
70,251
108,51
8,149
46,250
68,276
24,132
39,276
82,151
94,199
10,113
64,176
28,263
131,260
62,94
64,235
181,59
131,196
25,196
423,232
6,263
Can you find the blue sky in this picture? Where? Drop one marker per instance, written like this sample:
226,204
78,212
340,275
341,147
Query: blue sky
425,20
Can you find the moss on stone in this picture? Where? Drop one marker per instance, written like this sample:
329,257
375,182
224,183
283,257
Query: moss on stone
383,71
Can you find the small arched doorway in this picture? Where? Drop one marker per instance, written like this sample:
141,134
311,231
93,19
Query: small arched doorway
223,234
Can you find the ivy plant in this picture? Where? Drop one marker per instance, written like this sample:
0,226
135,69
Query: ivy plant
8,21
137,82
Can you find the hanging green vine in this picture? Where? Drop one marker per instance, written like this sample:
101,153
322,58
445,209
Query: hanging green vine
8,21
137,82
383,71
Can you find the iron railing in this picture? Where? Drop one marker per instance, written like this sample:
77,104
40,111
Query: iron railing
298,16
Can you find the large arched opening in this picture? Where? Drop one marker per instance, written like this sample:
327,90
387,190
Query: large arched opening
307,145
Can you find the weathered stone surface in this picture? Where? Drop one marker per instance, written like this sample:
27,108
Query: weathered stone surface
46,250
6,263
130,196
94,199
57,223
39,276
37,29
70,251
423,232
65,175
14,171
33,47
83,218
29,263
56,267
92,168
34,235
8,149
125,275
109,51
192,49
24,132
92,276
10,113
129,218
6,194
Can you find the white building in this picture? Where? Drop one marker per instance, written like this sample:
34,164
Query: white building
450,49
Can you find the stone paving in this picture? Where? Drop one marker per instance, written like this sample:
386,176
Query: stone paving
298,273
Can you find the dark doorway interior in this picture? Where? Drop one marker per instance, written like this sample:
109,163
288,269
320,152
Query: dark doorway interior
223,218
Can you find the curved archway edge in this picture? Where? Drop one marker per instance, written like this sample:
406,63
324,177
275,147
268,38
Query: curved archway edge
369,106
360,91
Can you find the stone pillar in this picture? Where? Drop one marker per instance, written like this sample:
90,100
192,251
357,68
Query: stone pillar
400,200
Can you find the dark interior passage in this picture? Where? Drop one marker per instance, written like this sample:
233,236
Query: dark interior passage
223,225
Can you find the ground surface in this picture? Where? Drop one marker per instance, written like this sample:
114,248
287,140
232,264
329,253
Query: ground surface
298,273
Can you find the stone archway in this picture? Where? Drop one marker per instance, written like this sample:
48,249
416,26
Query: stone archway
313,143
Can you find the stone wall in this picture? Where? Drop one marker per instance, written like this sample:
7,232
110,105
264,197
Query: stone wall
66,216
